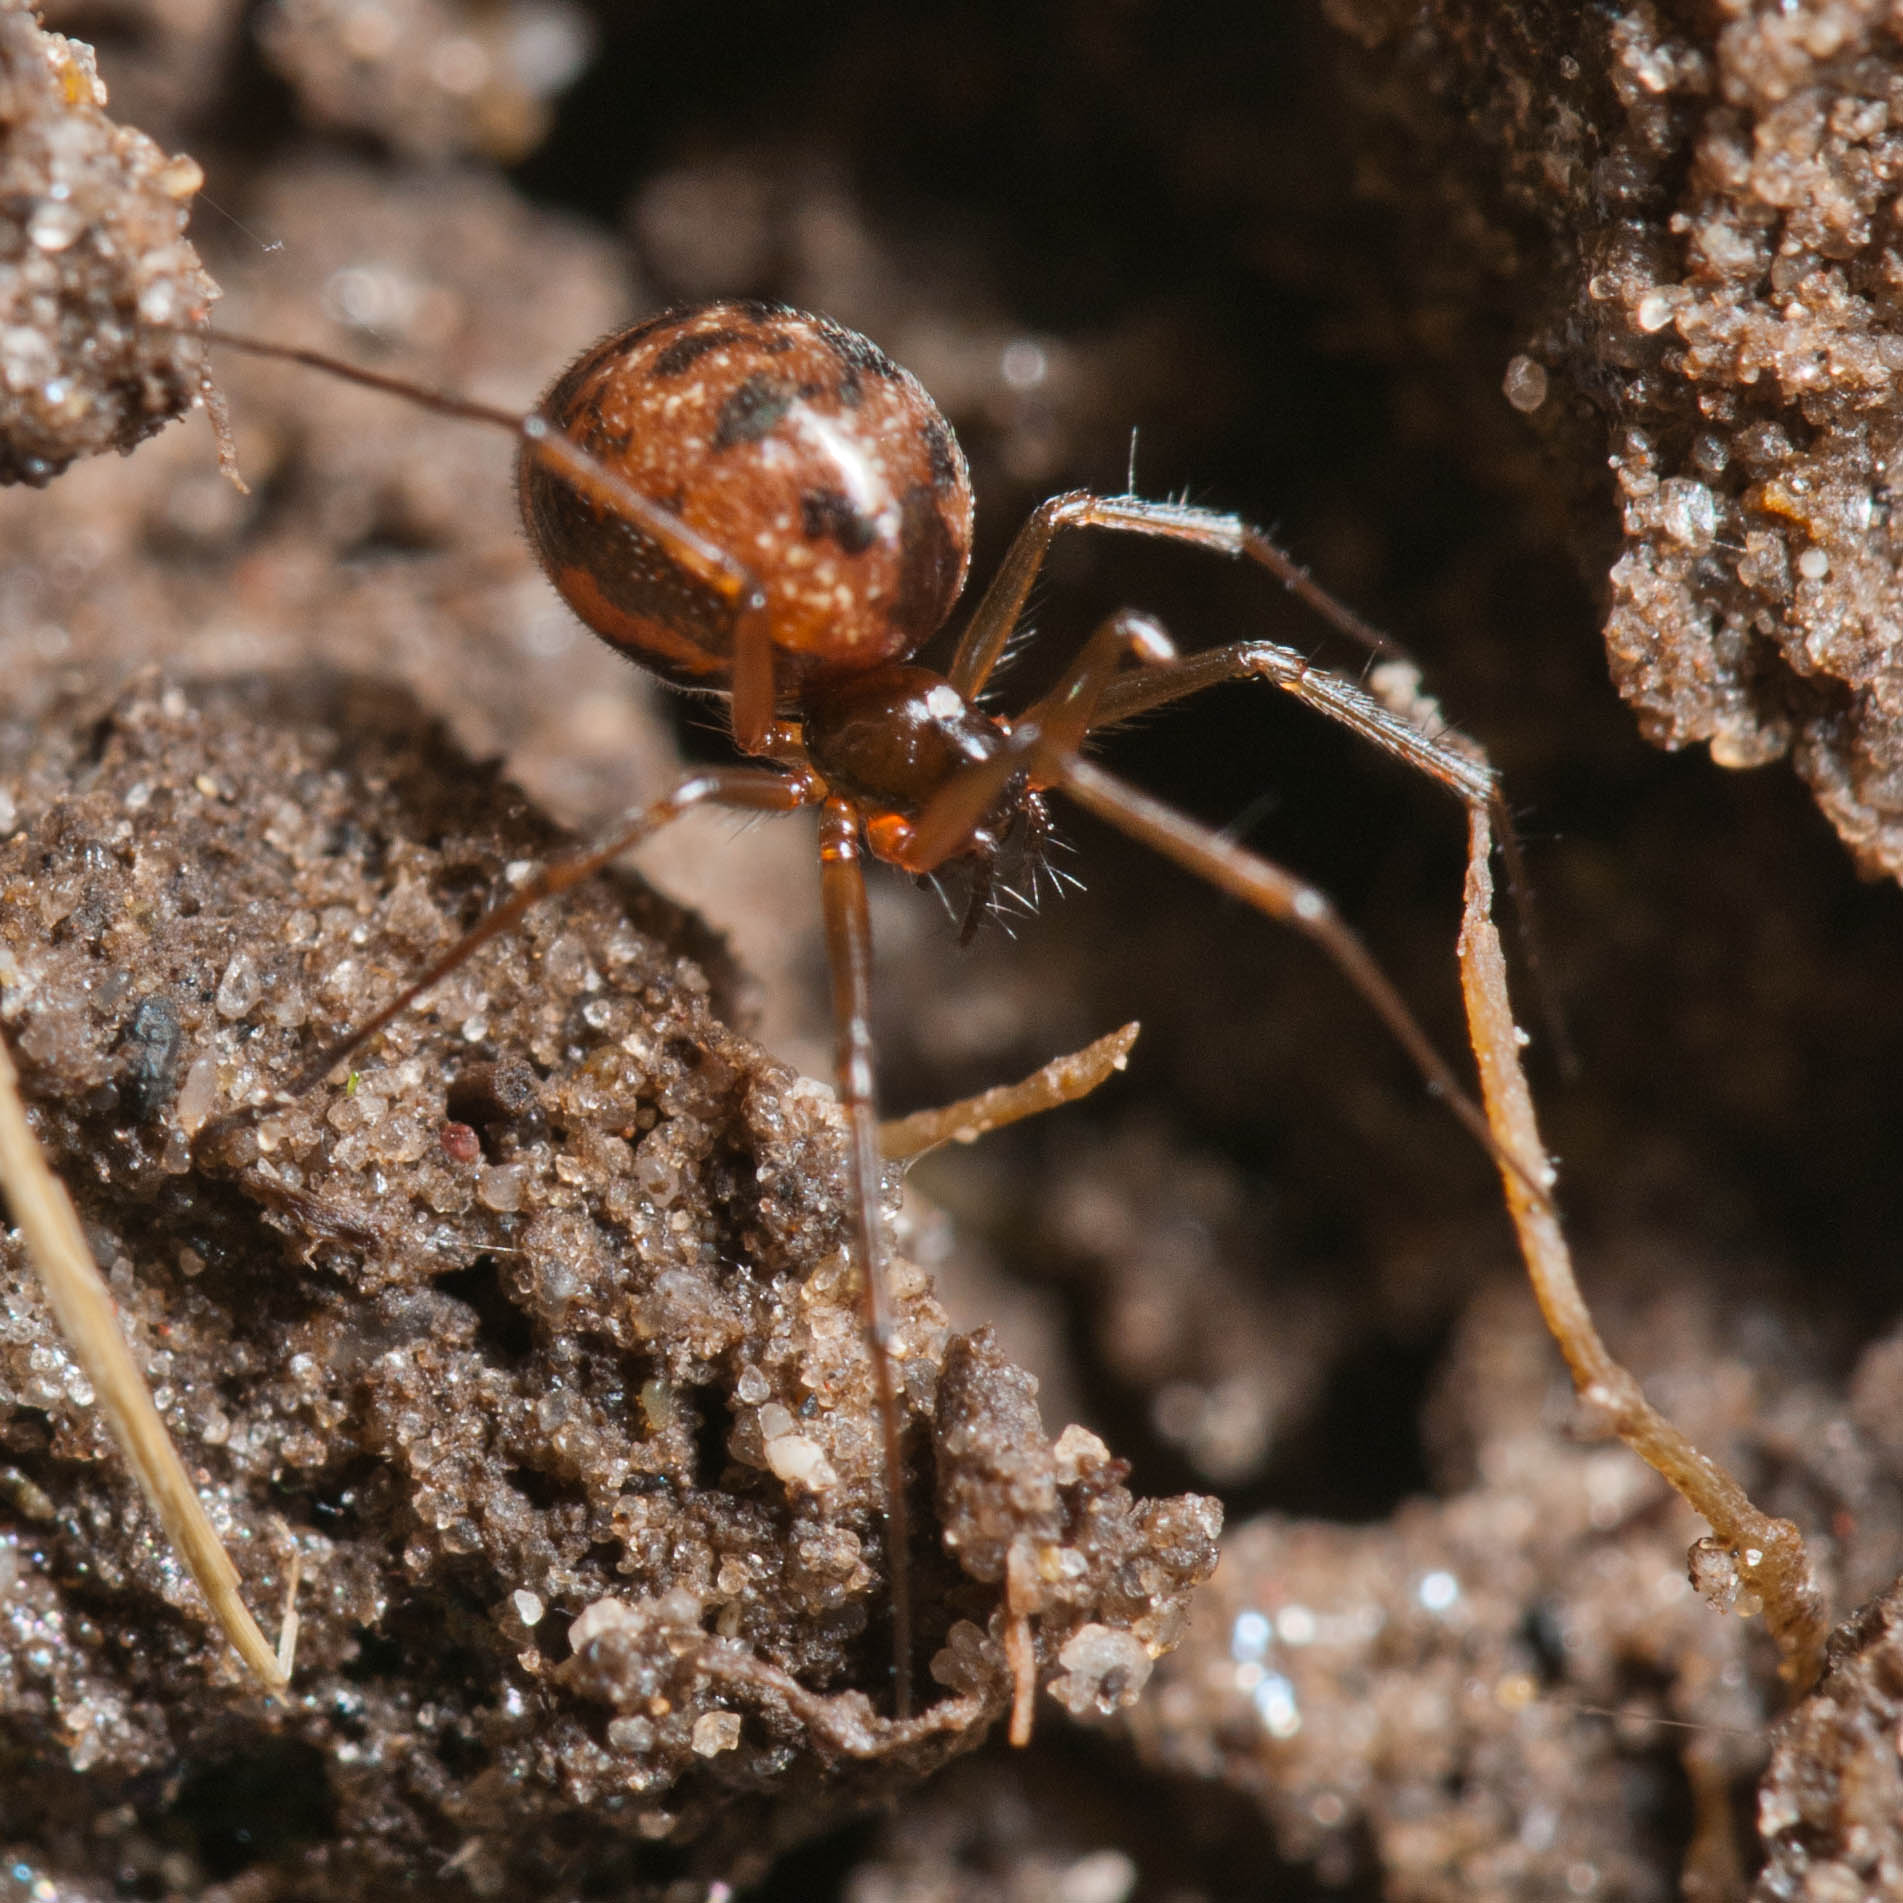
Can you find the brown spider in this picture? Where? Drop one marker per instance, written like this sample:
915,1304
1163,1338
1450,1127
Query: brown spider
755,501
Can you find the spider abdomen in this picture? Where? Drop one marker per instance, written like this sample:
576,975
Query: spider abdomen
791,444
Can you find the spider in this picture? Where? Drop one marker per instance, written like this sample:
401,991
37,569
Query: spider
754,501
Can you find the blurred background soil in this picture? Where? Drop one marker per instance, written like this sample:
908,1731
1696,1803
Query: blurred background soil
1377,277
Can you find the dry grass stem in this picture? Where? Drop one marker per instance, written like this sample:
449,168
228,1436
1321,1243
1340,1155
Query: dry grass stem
82,1304
1772,1567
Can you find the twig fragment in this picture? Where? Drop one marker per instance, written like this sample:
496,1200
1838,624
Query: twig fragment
1063,1080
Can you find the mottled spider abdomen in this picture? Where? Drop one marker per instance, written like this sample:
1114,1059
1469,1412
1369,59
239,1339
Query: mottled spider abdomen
791,444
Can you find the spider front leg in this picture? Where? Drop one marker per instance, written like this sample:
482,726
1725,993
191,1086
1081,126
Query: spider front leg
1282,895
1044,746
849,958
1165,677
999,613
1447,757
1442,753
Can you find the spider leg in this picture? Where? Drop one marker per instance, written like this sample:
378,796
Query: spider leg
1452,761
1091,695
776,789
1443,754
750,699
849,957
999,612
1282,895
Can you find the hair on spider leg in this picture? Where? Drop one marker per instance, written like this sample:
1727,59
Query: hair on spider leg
1250,816
1022,639
934,883
989,896
1041,838
1039,871
740,825
814,533
1050,838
